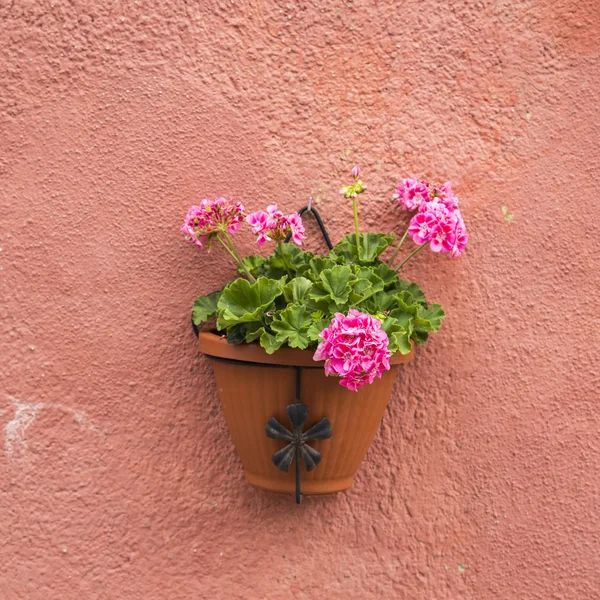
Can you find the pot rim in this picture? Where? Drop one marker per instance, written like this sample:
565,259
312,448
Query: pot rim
215,345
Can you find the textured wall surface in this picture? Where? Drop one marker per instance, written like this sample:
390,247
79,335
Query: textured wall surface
118,479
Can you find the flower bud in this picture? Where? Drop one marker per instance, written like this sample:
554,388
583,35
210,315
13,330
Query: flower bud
355,171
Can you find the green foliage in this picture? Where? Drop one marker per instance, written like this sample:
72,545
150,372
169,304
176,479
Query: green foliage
291,326
296,295
371,246
297,289
242,302
252,263
205,307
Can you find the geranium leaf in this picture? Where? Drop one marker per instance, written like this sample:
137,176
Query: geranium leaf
367,274
406,302
389,276
399,337
291,326
315,329
402,341
378,303
297,261
297,289
371,246
414,289
205,307
318,264
430,318
253,332
336,282
236,334
404,319
419,334
252,263
242,302
269,343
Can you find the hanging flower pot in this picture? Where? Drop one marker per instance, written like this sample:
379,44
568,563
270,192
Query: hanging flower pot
254,386
305,348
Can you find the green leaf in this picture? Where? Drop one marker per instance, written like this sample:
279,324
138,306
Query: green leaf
420,335
252,263
253,332
297,289
368,283
414,289
378,303
430,318
205,307
321,307
406,302
236,334
242,302
315,329
291,326
336,282
389,276
389,325
371,246
404,320
318,264
269,343
402,341
297,260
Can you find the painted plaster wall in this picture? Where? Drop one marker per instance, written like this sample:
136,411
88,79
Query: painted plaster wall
117,476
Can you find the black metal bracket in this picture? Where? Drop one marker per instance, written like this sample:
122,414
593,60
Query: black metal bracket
313,211
297,438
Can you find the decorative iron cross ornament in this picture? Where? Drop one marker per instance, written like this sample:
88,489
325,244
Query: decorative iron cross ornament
297,439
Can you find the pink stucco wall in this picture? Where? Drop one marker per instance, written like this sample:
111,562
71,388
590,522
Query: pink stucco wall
117,476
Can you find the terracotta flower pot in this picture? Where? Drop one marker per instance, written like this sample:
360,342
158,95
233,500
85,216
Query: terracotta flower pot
254,386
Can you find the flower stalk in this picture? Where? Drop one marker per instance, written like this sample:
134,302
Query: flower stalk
352,191
417,249
230,247
356,230
393,257
284,259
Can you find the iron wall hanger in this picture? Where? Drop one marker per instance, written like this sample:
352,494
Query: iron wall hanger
298,438
315,213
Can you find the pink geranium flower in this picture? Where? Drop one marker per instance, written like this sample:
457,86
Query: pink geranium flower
459,238
274,225
439,222
296,228
354,348
421,227
210,217
412,193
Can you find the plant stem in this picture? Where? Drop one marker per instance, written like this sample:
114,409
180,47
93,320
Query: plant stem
232,246
356,232
393,258
410,256
236,257
284,259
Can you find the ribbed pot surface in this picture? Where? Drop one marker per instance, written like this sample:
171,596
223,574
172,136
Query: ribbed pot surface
251,392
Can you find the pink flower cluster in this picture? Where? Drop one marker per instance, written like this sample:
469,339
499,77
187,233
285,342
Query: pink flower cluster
355,348
411,193
438,220
274,225
210,217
